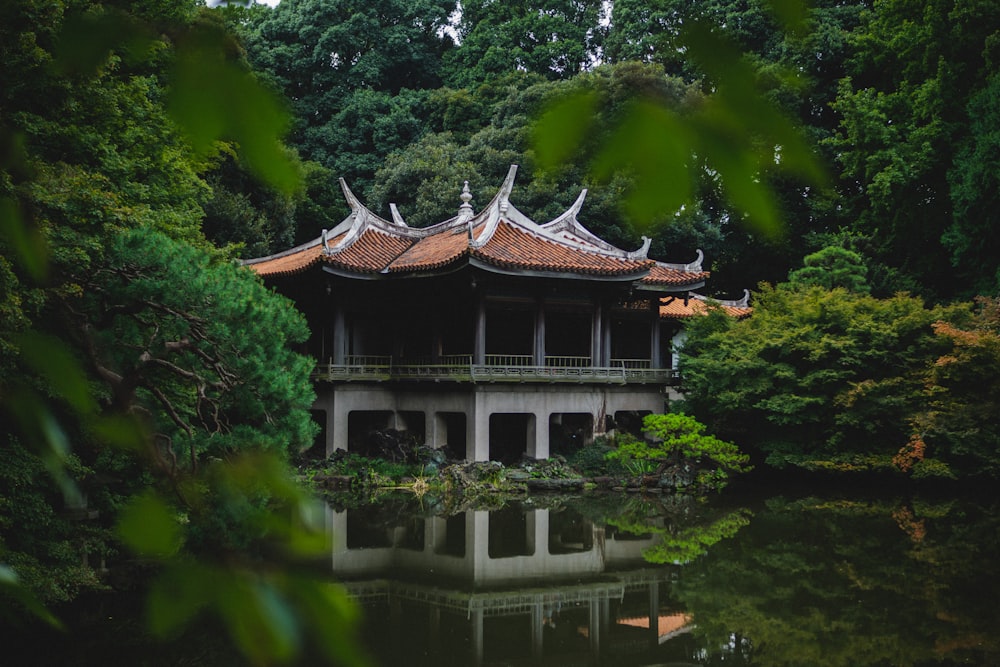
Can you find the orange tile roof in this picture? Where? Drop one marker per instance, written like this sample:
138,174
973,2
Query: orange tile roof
675,308
501,236
433,252
662,274
371,252
511,247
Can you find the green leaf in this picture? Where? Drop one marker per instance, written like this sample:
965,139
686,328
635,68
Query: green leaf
149,527
11,587
212,99
561,127
27,243
86,41
50,357
652,144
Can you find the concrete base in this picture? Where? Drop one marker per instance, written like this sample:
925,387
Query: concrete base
478,403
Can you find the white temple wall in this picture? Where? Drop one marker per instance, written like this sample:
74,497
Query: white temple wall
478,403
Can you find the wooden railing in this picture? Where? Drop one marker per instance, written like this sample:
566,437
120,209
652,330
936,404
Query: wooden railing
498,368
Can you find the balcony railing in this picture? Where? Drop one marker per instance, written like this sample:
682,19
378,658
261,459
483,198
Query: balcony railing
498,368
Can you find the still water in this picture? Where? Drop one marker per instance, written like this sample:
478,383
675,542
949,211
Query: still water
661,580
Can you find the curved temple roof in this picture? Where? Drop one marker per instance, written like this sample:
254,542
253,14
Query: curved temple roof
498,238
676,308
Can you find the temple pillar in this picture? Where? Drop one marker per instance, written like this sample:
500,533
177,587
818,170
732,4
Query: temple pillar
597,335
477,430
606,338
537,631
655,356
594,631
539,347
432,425
538,436
339,351
654,614
476,620
336,426
479,345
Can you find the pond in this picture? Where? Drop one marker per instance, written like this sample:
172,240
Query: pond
663,580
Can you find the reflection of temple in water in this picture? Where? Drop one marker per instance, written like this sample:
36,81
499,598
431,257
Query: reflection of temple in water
503,587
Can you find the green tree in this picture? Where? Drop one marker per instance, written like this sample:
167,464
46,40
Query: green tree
973,179
678,443
830,268
554,39
134,372
956,425
904,111
816,377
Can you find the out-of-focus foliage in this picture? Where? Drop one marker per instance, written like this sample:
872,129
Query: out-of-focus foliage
146,380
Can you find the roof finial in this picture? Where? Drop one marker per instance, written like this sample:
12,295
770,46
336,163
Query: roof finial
465,210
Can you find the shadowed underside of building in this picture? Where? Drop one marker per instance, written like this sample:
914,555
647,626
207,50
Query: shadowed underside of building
488,334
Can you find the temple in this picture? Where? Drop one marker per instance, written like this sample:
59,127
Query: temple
487,334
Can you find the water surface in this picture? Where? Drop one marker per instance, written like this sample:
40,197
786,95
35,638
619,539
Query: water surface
625,580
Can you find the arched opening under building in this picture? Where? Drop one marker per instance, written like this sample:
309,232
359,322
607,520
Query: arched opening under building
569,432
509,434
569,532
454,536
451,433
630,421
508,533
361,425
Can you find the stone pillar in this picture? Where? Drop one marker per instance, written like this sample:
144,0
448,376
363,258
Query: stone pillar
654,614
477,433
476,621
336,425
433,424
594,631
538,435
537,631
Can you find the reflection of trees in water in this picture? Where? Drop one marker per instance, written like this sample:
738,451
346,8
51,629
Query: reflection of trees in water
686,526
853,583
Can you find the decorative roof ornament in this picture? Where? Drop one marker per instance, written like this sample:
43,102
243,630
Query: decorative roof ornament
506,189
696,264
642,252
396,216
325,242
465,210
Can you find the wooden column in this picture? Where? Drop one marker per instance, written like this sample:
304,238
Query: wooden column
597,335
339,336
655,355
479,345
539,351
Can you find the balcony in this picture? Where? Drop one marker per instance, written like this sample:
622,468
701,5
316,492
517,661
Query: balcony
498,368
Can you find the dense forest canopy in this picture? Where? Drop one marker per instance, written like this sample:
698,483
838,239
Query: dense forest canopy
407,100
141,153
